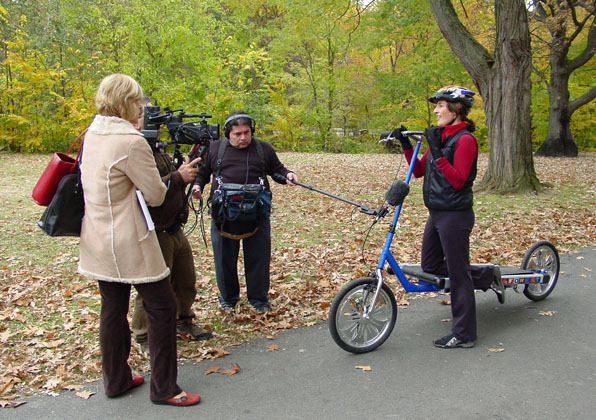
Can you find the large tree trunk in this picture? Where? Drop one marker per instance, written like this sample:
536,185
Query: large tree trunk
504,84
558,141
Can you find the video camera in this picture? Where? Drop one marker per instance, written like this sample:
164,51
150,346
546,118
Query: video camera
199,134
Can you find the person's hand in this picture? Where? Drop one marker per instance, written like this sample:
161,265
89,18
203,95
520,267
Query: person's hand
403,140
291,176
188,171
196,192
433,137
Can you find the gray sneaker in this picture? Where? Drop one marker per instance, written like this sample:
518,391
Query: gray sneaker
227,307
261,307
452,342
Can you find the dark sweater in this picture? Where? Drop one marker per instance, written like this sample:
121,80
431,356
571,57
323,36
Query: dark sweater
240,166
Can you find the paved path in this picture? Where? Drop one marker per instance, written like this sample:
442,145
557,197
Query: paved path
546,371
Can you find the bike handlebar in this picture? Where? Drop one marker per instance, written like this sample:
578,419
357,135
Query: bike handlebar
416,135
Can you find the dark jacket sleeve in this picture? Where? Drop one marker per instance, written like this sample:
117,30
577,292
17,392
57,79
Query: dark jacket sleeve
206,167
272,163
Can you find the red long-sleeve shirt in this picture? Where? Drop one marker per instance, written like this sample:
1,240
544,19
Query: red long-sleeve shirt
465,152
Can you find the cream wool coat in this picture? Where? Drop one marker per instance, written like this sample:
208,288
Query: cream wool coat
116,244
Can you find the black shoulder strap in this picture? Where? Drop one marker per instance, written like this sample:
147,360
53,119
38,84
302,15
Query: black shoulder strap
220,153
222,149
261,156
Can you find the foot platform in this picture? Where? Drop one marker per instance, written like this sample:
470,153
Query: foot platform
511,276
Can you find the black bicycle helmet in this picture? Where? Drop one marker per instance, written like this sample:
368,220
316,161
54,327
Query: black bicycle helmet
453,93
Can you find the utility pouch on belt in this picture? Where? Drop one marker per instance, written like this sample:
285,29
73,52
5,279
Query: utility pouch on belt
239,202
243,202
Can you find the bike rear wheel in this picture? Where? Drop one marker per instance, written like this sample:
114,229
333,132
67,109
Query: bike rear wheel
350,328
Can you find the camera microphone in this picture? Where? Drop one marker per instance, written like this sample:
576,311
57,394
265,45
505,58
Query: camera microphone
396,194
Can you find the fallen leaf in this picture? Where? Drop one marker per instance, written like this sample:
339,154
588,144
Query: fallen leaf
6,386
499,350
60,370
85,394
5,336
11,404
403,303
445,302
234,369
52,383
364,368
218,352
272,347
212,369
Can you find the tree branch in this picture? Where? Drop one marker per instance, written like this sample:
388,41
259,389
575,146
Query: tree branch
588,52
582,100
579,26
475,58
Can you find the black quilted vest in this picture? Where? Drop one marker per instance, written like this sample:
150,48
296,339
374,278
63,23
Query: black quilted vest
437,191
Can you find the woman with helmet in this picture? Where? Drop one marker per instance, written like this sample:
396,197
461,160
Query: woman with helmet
449,170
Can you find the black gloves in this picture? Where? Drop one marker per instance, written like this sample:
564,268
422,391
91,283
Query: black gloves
404,140
433,136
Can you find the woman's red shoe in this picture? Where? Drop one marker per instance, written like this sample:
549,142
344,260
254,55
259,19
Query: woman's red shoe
136,381
184,399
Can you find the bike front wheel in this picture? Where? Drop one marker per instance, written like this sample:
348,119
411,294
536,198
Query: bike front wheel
350,327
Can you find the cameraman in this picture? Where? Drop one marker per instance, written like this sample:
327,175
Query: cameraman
168,219
246,160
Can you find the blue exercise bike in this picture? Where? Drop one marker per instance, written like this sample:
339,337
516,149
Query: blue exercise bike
364,312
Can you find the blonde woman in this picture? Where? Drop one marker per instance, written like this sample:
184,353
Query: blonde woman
119,250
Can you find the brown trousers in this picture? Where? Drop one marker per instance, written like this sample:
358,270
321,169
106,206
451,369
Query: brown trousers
114,337
178,257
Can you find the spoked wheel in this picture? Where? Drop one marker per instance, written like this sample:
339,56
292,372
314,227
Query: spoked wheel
350,328
542,257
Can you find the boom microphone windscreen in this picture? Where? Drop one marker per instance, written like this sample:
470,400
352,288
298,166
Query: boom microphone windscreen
396,194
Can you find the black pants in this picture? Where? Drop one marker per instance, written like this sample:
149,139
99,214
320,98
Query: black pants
446,251
257,257
114,337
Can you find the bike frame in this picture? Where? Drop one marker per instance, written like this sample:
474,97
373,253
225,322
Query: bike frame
387,256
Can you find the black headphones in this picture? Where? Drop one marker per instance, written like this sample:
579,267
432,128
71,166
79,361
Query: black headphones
227,127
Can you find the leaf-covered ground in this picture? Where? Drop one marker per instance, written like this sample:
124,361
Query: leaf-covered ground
49,314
